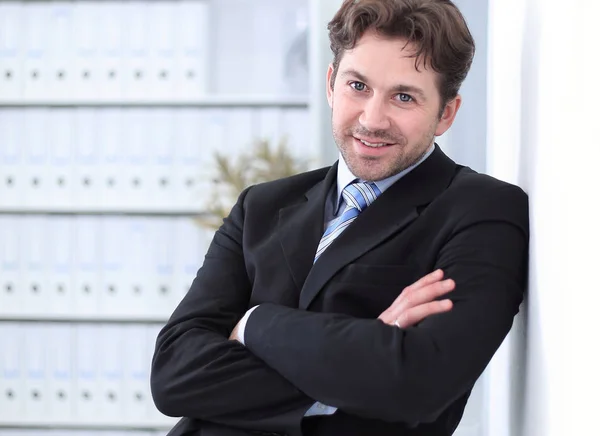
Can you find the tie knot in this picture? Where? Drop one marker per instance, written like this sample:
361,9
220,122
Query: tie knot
360,194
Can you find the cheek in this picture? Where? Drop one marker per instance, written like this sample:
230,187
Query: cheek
413,124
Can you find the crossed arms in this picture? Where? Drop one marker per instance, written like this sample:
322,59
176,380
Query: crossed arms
408,374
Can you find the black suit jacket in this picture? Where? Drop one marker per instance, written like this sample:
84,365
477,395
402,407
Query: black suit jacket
315,336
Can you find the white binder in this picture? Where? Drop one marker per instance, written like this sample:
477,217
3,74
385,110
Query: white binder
111,27
12,373
86,38
87,277
113,295
11,157
163,296
110,346
11,51
112,174
136,364
61,261
36,85
35,359
137,190
61,374
11,261
161,21
87,358
35,171
192,43
87,186
34,238
160,170
138,271
60,50
190,140
59,180
137,57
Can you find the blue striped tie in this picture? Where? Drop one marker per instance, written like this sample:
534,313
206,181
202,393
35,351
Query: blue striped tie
358,197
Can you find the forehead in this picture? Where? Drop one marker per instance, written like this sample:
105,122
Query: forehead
387,62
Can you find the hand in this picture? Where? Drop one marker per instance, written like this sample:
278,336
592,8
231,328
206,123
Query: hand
417,301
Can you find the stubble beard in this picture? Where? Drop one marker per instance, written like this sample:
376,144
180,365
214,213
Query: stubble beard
373,168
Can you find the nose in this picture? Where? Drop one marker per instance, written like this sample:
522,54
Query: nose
374,115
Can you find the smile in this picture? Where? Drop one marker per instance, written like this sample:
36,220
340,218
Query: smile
374,144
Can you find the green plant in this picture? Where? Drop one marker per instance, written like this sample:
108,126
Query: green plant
262,163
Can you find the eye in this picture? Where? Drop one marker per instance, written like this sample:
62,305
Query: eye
358,86
404,98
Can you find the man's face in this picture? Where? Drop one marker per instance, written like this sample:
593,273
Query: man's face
385,113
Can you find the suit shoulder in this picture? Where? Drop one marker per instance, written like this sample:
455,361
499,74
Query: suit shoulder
478,185
287,187
475,197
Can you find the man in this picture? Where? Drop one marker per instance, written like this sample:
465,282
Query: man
304,318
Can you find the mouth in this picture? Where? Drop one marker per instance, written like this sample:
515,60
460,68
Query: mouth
373,143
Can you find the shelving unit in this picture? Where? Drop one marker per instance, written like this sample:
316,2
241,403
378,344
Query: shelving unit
227,94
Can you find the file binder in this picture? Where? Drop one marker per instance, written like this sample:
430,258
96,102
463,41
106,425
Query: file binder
137,190
87,187
61,375
113,294
87,276
136,363
112,177
11,262
160,170
189,142
59,180
136,83
59,32
35,360
110,406
11,51
87,383
35,171
163,296
37,293
192,47
11,158
36,59
111,27
137,280
12,373
86,37
61,292
161,21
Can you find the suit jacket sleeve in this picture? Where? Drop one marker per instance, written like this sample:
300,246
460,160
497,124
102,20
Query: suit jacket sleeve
367,368
197,372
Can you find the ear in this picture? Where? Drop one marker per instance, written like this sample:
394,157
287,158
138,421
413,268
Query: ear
448,115
329,88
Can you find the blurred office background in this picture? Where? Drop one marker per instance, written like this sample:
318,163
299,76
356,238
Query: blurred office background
110,113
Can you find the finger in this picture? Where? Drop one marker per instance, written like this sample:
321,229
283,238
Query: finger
433,277
414,297
419,313
427,280
417,297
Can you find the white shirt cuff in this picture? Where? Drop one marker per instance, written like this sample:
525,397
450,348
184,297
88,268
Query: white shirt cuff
242,326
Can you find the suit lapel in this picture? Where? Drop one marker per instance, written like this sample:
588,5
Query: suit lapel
395,209
300,228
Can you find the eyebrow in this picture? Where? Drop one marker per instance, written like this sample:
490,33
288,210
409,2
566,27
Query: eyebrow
408,89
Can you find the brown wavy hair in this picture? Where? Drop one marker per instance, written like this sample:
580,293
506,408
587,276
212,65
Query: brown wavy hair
437,29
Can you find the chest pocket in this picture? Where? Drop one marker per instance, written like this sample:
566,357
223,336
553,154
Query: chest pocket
364,291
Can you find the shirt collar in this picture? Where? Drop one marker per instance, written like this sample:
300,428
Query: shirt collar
345,176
